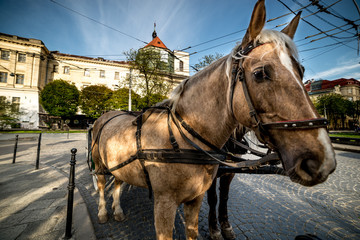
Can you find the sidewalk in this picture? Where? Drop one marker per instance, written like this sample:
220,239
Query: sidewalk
33,203
344,147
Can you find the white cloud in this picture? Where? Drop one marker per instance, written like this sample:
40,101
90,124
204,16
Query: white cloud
337,72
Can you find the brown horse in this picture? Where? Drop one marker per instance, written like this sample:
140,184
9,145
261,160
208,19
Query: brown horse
213,105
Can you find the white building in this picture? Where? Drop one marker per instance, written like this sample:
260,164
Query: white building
26,66
23,68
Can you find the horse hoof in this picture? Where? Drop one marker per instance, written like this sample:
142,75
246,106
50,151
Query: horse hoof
119,217
103,218
215,235
228,233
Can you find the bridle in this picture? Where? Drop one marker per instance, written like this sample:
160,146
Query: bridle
262,129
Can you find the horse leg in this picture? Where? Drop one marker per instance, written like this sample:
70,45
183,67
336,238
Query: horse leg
212,201
164,214
102,214
191,211
226,228
118,212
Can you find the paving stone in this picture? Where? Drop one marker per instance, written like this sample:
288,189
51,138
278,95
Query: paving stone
12,232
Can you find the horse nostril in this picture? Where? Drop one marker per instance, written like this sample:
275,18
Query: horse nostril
310,166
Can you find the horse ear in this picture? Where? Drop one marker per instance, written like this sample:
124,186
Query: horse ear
291,28
257,22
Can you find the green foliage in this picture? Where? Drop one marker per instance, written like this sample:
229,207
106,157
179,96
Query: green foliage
95,100
153,72
150,100
60,98
120,99
207,60
9,113
336,106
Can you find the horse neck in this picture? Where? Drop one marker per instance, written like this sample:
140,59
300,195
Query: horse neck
204,103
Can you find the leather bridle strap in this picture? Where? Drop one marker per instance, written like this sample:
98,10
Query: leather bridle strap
260,127
297,124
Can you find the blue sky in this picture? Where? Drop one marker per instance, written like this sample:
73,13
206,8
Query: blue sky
180,24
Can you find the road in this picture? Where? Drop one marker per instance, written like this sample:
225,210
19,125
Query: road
260,206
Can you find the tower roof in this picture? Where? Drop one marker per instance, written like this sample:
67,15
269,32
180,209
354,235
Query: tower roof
156,42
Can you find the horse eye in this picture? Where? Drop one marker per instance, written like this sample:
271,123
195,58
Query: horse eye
260,75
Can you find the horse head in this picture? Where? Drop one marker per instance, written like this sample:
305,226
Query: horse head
267,64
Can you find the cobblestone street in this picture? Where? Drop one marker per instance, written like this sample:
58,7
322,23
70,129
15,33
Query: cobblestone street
260,206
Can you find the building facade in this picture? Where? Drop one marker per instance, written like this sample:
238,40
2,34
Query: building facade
348,88
23,72
26,66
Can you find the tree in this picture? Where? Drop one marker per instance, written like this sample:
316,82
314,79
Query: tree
153,70
95,100
336,107
60,98
207,60
9,113
151,100
120,99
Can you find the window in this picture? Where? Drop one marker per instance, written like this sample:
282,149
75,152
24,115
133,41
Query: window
5,55
181,66
117,76
22,57
16,103
66,70
19,79
55,68
87,72
102,73
3,77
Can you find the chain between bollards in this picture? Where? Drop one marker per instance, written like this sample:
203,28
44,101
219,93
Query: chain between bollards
71,188
15,148
38,152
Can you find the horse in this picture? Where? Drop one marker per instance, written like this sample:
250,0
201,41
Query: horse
224,180
258,85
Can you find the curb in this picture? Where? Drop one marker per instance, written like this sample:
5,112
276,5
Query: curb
346,148
82,226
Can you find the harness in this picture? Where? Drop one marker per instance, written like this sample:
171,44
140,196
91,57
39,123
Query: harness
216,156
262,129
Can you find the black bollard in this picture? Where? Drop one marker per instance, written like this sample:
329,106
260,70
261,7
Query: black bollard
71,188
38,153
15,148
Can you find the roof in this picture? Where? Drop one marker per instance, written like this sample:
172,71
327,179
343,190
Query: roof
156,42
99,59
326,84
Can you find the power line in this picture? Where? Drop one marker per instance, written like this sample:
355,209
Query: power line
319,54
325,46
214,39
94,20
312,25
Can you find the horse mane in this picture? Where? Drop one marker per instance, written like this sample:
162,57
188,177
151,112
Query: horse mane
281,40
177,92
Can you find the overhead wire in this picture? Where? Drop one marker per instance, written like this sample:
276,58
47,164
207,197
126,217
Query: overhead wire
98,22
217,38
322,9
312,25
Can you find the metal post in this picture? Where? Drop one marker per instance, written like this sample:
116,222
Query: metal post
130,89
15,148
38,152
71,187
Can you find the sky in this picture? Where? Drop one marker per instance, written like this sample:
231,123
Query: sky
108,28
